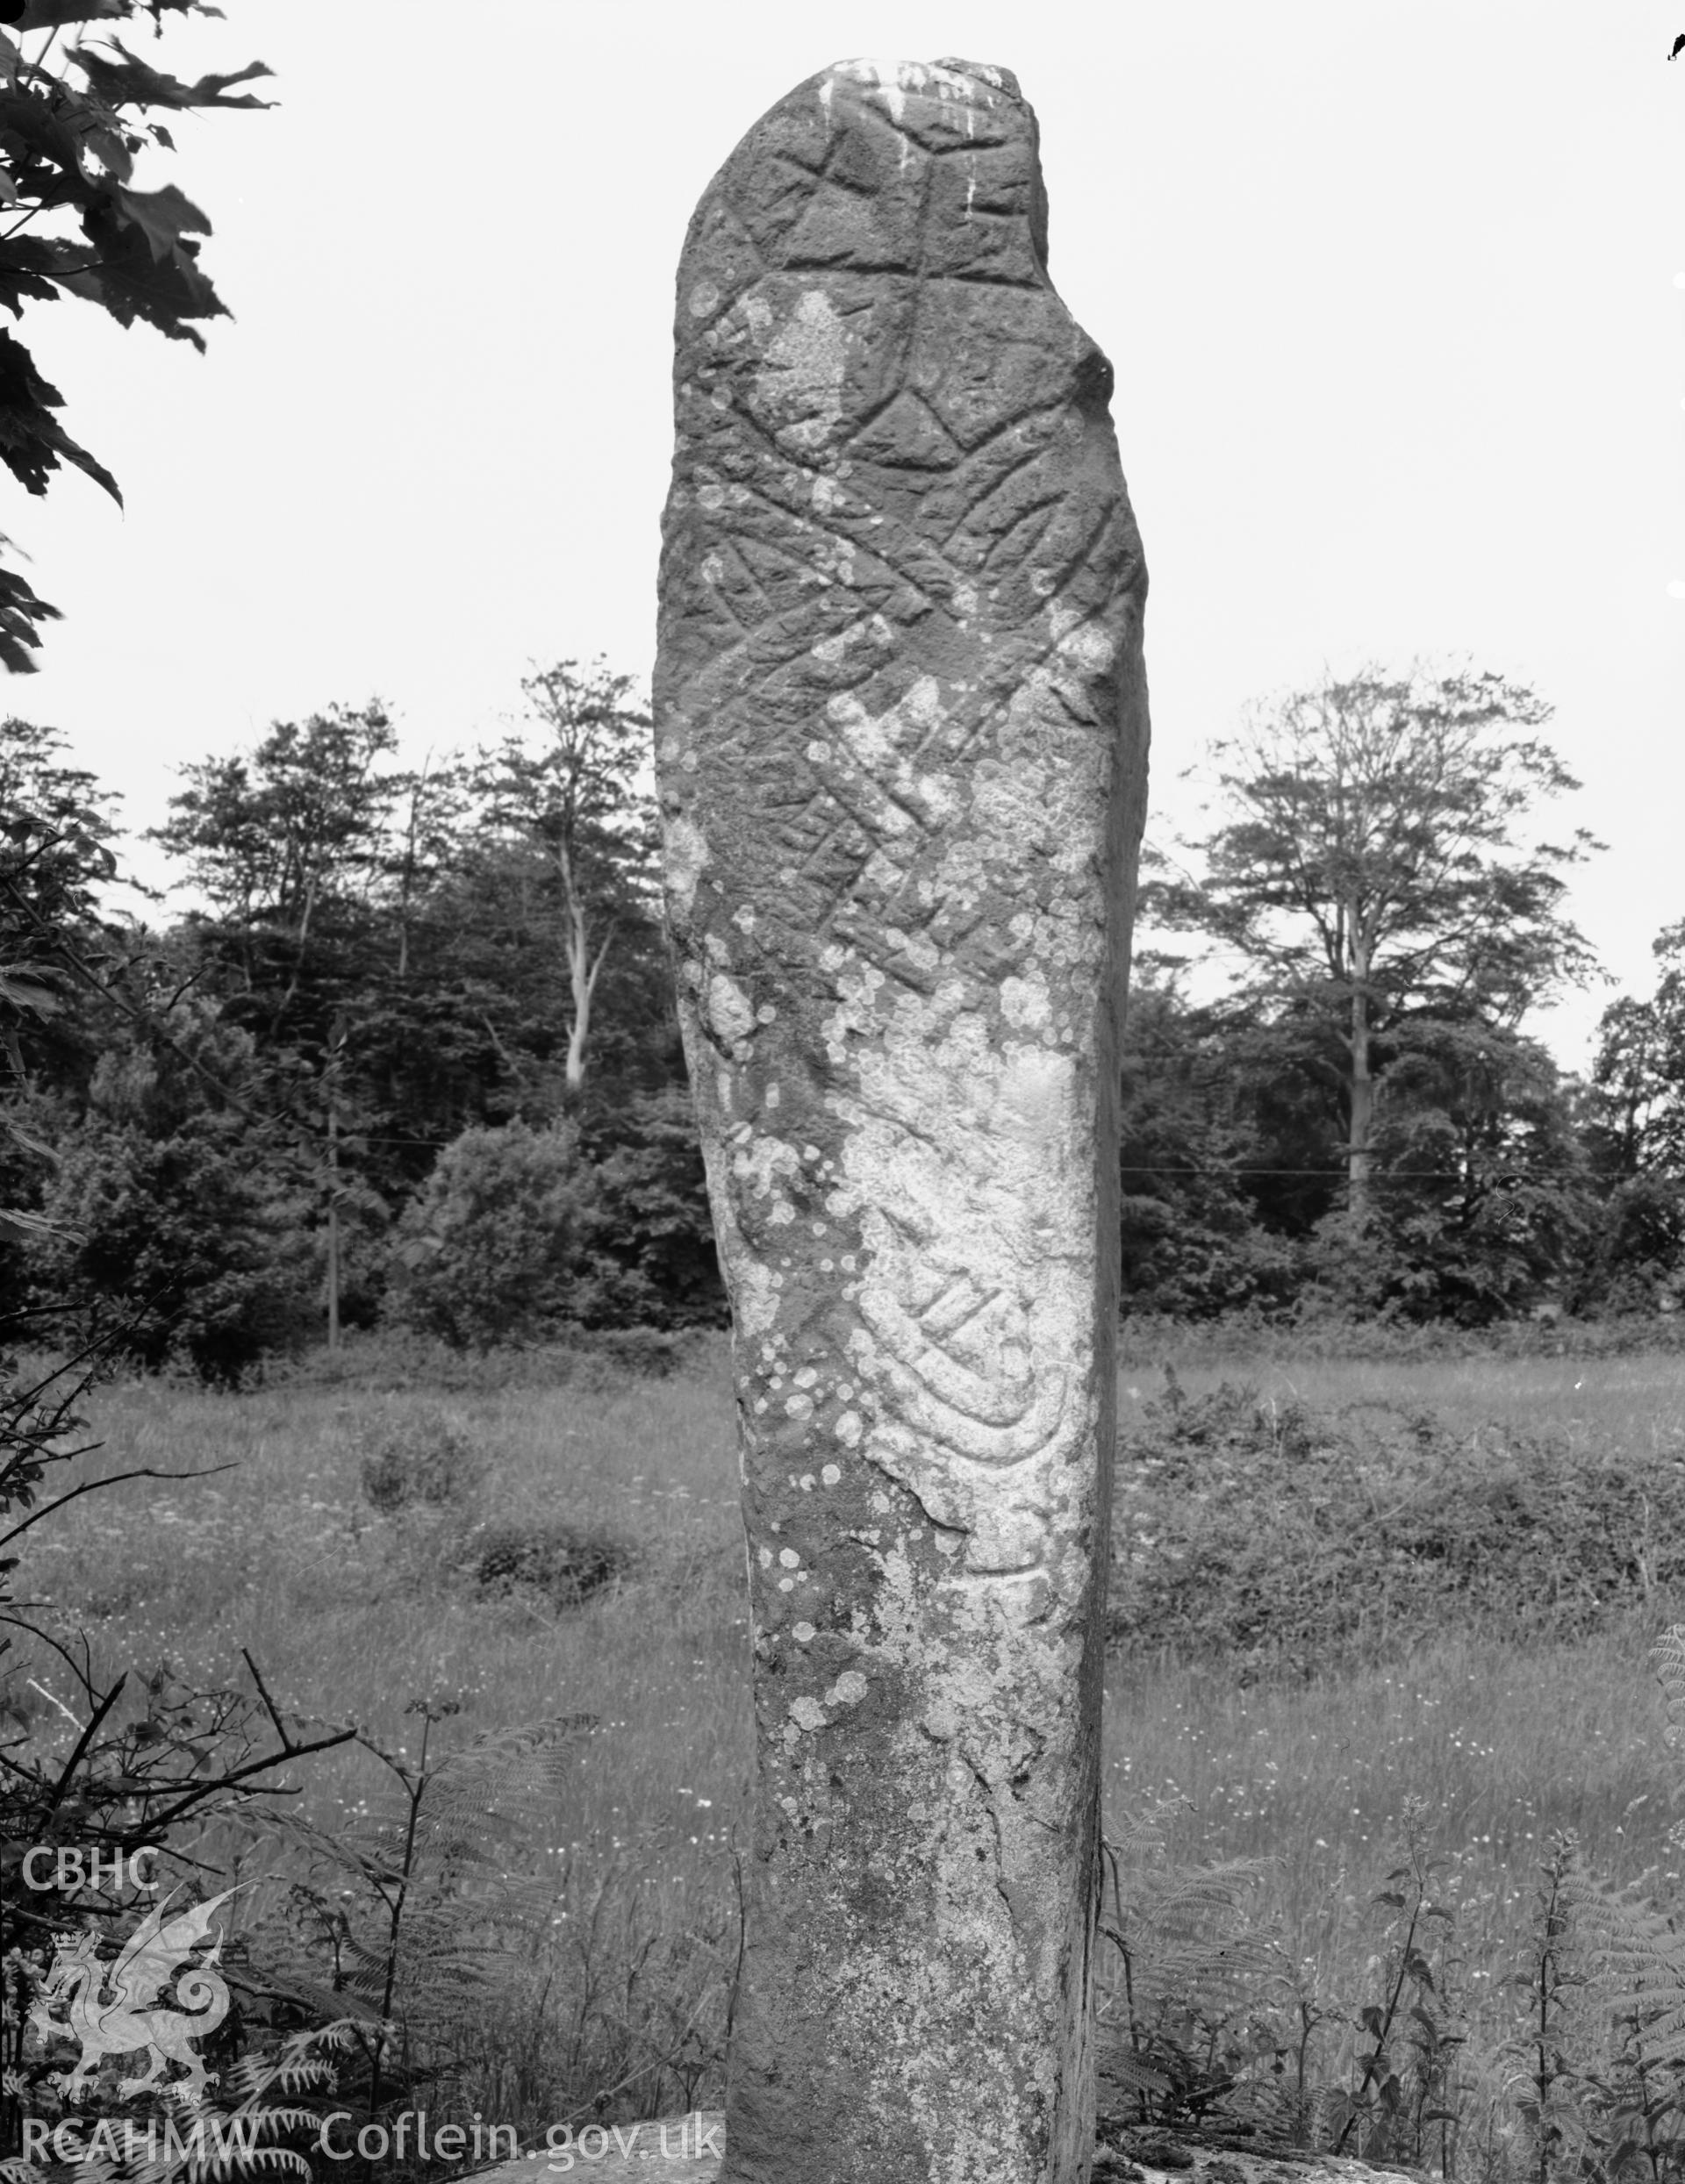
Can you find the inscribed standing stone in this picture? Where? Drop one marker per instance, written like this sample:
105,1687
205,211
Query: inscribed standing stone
901,732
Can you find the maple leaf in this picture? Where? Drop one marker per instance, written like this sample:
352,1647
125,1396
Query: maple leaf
157,9
43,135
19,612
109,147
32,443
27,264
163,216
128,277
128,80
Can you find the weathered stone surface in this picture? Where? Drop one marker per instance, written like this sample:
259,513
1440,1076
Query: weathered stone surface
900,743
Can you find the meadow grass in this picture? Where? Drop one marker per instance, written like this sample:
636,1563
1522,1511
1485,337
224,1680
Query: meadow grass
1624,1405
353,1615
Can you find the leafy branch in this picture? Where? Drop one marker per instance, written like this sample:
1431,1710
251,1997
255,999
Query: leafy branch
68,148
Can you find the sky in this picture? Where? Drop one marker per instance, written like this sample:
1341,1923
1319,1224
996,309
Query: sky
1395,290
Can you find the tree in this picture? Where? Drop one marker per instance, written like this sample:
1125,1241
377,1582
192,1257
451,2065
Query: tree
55,947
166,1208
289,846
424,845
573,803
1367,871
1637,1079
319,857
391,939
1192,1121
54,825
1634,1132
78,225
1480,1197
649,1257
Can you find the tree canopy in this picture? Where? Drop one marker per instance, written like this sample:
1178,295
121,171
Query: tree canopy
1367,873
406,998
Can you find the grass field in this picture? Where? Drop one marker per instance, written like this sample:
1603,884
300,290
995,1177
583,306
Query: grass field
352,1614
1633,1405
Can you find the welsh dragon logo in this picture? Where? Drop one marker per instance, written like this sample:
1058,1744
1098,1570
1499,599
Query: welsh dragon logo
110,2008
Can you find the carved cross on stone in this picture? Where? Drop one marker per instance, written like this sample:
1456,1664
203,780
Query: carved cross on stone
901,730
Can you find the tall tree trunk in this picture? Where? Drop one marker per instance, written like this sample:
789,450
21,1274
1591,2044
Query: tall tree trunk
582,973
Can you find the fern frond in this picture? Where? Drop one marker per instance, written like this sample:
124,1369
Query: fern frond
1635,1957
1204,1893
1210,1978
282,2119
1669,1655
1143,1831
1134,2073
222,2169
529,1756
285,1984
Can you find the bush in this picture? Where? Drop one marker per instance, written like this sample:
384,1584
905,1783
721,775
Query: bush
173,1215
489,1251
191,1241
1201,1262
419,1457
650,1259
562,1561
1638,1257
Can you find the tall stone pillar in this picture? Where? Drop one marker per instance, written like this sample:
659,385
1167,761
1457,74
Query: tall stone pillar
901,730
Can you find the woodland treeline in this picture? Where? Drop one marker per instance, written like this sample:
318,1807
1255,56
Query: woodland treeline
412,1059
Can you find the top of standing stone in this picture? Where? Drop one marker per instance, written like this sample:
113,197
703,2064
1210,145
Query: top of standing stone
870,132
975,81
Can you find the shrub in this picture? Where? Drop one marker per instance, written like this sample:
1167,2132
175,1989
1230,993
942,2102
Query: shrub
419,1457
1201,1262
191,1240
174,1215
564,1562
489,1251
1637,1260
650,1259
